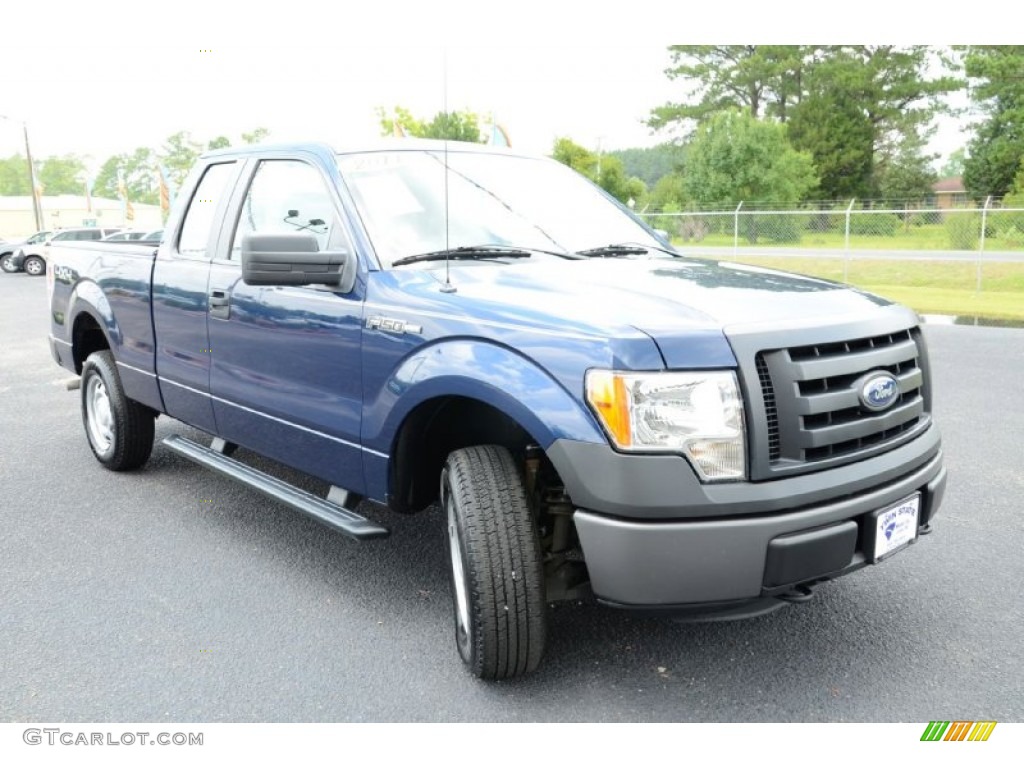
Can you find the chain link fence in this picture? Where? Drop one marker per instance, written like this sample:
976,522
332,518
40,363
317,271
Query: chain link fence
849,229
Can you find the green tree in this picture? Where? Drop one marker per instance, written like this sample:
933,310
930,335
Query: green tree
865,112
839,137
761,79
139,169
736,157
454,126
606,171
220,142
649,164
905,173
668,193
178,154
1018,180
255,136
996,75
14,176
954,165
63,175
853,107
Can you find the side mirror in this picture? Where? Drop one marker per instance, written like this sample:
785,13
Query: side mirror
662,233
293,258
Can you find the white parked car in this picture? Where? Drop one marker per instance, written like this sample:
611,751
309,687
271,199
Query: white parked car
32,258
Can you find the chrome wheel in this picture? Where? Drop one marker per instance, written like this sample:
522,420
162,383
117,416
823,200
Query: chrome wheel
460,588
99,418
7,264
34,266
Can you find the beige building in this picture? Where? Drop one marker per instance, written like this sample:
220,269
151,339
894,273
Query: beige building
949,193
66,211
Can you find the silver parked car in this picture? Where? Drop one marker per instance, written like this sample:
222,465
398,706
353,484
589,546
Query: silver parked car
32,258
10,248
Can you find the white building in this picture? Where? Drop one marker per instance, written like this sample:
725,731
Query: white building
66,211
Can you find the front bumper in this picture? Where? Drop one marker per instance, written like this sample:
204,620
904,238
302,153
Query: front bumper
723,555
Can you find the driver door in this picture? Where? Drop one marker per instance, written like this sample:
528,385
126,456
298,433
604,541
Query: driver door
286,376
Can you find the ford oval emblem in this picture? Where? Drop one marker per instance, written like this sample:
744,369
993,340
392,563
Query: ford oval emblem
879,391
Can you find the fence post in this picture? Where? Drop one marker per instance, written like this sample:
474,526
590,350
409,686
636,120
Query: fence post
981,242
846,258
736,231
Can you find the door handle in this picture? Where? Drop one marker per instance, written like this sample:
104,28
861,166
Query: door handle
220,304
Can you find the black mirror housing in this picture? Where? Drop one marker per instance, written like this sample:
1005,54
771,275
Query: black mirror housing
291,258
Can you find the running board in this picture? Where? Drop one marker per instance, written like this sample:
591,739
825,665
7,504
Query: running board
323,511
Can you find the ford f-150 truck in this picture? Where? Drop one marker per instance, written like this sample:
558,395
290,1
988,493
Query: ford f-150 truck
423,323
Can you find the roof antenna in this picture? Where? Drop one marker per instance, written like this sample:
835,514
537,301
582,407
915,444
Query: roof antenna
447,287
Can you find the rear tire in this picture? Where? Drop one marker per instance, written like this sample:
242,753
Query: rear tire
34,266
7,264
497,570
120,431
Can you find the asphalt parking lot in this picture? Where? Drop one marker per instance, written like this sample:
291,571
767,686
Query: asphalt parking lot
171,594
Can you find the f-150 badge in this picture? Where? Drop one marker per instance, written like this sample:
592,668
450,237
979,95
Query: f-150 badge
390,324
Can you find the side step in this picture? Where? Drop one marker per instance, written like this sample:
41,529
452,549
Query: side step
330,514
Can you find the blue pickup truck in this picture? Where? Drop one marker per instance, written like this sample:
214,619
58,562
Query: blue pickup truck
422,323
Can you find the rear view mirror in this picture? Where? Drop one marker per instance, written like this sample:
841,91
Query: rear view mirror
294,258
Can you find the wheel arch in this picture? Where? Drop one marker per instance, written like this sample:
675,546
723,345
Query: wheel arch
458,393
87,336
434,429
93,327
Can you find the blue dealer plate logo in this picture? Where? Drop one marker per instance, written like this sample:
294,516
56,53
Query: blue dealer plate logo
879,392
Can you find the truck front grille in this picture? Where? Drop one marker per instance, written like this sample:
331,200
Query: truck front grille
811,395
771,412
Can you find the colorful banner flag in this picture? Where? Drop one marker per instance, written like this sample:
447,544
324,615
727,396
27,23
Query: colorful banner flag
166,191
499,136
88,194
127,212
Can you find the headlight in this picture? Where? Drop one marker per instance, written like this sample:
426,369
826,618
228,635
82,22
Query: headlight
698,414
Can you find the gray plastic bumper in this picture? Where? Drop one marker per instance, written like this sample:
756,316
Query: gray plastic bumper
650,487
722,555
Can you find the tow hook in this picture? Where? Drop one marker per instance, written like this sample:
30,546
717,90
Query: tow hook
799,594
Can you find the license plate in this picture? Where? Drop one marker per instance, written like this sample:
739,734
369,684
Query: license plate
896,526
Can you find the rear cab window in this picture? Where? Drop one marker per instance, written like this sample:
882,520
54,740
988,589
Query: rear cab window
197,225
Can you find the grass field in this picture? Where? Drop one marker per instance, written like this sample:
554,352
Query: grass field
933,287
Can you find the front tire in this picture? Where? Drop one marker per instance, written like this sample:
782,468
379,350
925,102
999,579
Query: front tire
496,564
120,431
34,266
7,264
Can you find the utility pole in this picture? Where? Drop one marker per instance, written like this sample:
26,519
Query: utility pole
37,210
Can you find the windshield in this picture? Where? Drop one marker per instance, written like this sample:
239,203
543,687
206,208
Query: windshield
493,199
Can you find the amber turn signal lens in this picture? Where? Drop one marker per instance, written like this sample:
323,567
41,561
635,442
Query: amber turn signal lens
606,392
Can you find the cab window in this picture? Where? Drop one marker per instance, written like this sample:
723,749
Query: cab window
288,196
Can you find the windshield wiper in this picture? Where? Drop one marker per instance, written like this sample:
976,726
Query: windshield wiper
614,250
466,252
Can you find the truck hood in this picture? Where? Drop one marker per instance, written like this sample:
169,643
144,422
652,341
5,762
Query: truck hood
677,302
